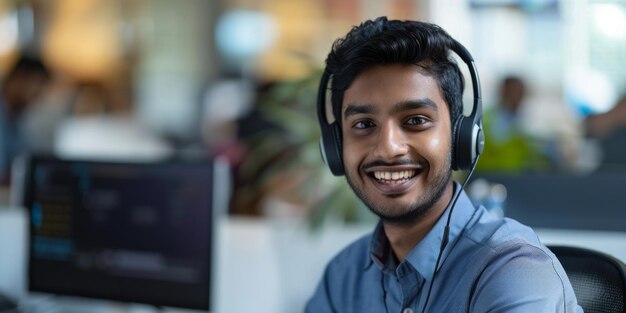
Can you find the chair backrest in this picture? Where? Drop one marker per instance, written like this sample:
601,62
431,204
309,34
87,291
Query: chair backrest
598,279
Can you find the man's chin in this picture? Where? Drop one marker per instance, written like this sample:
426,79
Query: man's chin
400,215
401,210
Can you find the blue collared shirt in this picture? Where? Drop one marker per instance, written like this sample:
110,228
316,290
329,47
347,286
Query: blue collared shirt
489,265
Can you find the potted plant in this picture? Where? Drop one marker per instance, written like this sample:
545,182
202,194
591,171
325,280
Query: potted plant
285,165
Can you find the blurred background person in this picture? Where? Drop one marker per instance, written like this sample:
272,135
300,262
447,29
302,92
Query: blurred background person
609,130
21,86
41,120
508,147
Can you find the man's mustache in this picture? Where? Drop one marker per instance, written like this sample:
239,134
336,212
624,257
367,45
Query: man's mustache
398,162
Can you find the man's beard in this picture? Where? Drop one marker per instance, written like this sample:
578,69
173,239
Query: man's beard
416,209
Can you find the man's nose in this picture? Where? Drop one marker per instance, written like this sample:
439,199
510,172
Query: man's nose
392,142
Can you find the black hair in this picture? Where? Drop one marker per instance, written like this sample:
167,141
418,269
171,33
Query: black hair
381,42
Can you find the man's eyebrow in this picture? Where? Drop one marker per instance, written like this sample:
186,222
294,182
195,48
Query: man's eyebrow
354,109
415,104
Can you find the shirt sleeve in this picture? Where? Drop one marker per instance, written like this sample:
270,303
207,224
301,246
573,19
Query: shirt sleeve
524,279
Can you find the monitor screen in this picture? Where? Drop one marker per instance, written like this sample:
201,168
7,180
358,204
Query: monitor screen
118,231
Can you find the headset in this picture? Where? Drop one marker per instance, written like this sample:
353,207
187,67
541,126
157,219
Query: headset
467,145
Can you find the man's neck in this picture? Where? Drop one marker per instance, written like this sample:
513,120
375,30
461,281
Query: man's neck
404,237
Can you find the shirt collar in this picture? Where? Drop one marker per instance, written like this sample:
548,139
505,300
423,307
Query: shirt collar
380,251
424,256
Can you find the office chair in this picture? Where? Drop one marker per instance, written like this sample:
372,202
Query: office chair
598,279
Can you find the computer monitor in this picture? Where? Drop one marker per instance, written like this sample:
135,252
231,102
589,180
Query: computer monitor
129,232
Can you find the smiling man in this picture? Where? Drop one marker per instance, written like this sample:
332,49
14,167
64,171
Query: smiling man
396,102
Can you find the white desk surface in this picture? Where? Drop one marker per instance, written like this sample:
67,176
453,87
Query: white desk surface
260,266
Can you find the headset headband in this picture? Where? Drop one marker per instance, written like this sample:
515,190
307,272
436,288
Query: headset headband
462,52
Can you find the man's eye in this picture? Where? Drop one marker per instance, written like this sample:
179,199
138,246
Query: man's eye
416,120
363,124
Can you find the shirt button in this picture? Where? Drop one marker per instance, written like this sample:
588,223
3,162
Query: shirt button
407,310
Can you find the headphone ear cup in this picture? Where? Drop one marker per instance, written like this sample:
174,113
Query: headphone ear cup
330,140
469,143
330,147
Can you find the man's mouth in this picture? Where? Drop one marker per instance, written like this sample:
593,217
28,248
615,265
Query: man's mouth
393,177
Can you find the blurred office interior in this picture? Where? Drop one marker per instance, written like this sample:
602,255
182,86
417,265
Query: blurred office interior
145,81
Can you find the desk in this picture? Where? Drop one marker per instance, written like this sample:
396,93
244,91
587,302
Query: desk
261,265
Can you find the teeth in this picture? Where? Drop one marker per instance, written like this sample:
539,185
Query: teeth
400,175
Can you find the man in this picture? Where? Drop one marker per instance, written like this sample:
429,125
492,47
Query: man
396,95
510,148
19,89
609,129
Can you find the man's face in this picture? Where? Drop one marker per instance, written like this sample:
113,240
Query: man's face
396,141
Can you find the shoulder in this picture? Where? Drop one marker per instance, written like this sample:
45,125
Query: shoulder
518,270
498,234
524,277
505,241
